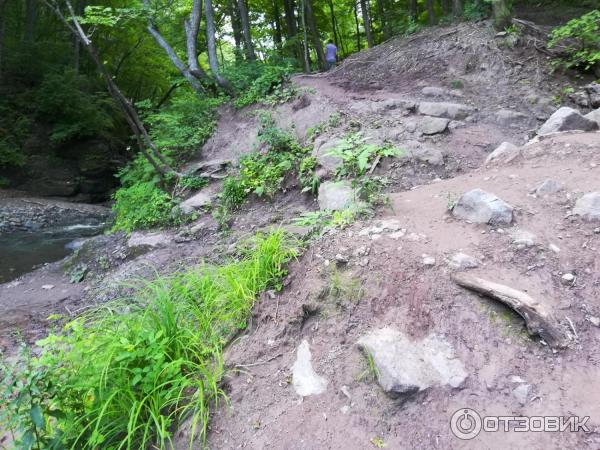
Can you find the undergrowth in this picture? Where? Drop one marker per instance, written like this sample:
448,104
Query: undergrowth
127,375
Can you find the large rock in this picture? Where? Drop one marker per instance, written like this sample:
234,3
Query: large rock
510,117
146,239
593,91
455,111
462,261
304,378
432,125
433,91
428,155
504,153
567,119
405,366
322,149
197,201
594,115
478,206
588,206
336,195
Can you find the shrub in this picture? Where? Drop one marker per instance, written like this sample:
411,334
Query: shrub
128,374
580,40
270,80
142,205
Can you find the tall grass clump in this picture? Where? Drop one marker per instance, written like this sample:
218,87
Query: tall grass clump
128,374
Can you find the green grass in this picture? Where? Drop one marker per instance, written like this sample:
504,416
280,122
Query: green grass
127,375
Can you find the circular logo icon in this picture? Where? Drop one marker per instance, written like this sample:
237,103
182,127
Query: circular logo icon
465,424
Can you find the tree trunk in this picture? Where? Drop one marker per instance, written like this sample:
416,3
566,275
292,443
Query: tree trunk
145,144
314,33
305,40
30,19
277,37
333,24
211,45
236,27
383,22
457,8
2,25
250,55
366,22
291,25
502,14
430,12
413,9
355,10
445,7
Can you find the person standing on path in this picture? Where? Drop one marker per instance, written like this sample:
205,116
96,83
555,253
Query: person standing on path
330,55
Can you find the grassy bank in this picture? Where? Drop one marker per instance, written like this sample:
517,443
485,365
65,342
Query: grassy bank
127,374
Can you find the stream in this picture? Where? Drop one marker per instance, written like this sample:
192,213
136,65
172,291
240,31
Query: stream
24,251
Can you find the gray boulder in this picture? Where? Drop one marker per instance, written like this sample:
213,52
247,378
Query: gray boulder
594,115
505,153
432,125
523,238
567,119
428,155
455,111
405,366
195,202
322,149
462,261
588,206
146,239
510,117
478,206
335,195
548,187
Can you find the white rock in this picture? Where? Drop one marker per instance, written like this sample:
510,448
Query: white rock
568,278
588,206
428,260
48,286
304,378
504,153
521,392
554,248
594,321
406,366
478,206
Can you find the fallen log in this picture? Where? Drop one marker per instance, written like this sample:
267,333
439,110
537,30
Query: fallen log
538,318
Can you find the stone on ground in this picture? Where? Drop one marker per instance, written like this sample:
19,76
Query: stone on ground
335,195
405,366
144,239
567,119
432,125
588,206
428,155
548,187
462,261
304,378
520,393
510,117
433,91
523,238
196,202
505,153
323,146
594,115
478,206
455,111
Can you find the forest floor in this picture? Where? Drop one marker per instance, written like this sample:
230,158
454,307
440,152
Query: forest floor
394,271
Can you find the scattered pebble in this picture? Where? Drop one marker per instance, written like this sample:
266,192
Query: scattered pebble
594,321
554,248
568,278
428,260
48,286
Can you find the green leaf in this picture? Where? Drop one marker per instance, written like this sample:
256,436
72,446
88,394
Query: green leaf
37,417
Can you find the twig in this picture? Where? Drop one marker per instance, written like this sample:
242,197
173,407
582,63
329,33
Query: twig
245,366
572,327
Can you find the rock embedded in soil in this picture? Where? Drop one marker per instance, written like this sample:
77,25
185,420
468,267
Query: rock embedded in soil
567,119
594,115
505,152
323,146
454,111
520,393
588,206
523,238
509,117
145,239
304,378
197,201
479,206
336,195
428,155
548,187
406,367
432,125
462,261
434,91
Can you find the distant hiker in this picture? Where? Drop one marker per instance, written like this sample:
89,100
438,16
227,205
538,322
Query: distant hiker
330,55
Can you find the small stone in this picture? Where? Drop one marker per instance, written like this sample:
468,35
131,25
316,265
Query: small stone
548,187
568,278
505,152
520,393
462,261
335,195
428,260
554,248
516,379
48,286
594,321
397,235
304,378
478,206
341,258
523,238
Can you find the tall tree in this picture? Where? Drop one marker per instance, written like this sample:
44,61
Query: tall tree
145,143
277,35
457,8
356,23
383,22
190,71
211,45
364,7
412,6
502,14
305,56
430,12
249,46
236,27
314,32
30,19
291,25
2,25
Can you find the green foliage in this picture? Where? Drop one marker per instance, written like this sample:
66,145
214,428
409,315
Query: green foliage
580,40
143,205
358,156
309,181
477,9
193,182
260,83
127,374
323,220
370,189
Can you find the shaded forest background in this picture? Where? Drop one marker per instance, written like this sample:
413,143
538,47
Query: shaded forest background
62,133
